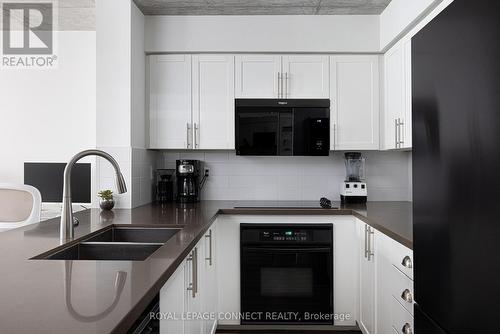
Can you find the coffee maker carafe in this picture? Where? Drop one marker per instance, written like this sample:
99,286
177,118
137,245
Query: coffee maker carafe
190,179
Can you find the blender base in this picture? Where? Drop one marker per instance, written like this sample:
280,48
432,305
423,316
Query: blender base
353,199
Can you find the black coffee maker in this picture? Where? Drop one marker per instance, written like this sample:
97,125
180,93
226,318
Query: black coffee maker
190,177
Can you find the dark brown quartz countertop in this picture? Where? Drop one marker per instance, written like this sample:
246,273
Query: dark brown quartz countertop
57,296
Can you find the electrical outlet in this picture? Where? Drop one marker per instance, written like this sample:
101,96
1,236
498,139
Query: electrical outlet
207,172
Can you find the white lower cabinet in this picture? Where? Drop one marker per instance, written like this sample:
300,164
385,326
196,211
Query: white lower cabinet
188,300
367,238
373,278
394,287
345,262
209,284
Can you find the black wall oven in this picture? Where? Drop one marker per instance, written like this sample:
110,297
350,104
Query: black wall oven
282,127
286,274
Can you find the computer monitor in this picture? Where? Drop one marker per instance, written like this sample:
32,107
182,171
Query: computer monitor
48,179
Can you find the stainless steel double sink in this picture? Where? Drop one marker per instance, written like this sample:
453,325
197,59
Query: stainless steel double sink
115,243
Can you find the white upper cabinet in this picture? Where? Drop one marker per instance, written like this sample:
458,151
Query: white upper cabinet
170,101
191,101
292,76
305,76
354,111
407,132
257,76
397,97
213,101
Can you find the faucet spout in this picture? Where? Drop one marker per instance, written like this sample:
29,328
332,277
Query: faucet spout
67,228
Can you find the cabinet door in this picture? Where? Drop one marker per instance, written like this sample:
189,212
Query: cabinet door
407,120
367,279
355,102
397,97
194,291
172,302
384,282
209,283
213,101
306,76
170,101
228,267
257,76
346,269
394,101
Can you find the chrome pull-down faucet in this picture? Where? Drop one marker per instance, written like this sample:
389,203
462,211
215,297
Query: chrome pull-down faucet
67,228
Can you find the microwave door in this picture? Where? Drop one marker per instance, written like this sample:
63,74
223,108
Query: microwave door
311,131
285,146
257,132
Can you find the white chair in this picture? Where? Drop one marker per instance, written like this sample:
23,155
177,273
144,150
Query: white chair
20,205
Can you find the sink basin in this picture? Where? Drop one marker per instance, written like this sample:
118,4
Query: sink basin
135,234
112,251
115,243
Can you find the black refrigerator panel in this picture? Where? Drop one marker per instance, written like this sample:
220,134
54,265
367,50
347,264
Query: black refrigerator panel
456,164
425,325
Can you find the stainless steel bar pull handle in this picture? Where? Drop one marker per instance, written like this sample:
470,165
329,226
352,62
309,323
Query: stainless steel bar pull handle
366,241
407,262
190,286
279,85
195,271
209,237
401,133
193,286
370,236
196,135
396,139
407,296
188,139
334,136
407,329
286,84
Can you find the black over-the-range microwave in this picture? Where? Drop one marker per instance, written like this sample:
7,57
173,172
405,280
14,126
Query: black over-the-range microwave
282,127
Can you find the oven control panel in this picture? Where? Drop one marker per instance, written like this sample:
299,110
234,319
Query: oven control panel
289,234
285,235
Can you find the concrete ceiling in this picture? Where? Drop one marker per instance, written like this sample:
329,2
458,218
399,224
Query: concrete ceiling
262,7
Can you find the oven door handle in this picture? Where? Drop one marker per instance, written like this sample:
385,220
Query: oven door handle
288,250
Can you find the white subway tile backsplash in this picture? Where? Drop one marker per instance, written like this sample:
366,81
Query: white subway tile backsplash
192,155
235,177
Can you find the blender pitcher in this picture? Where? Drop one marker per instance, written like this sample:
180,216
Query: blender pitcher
354,167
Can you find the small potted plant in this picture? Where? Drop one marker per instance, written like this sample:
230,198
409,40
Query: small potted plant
106,201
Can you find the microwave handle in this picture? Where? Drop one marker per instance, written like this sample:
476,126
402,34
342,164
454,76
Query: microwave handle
279,85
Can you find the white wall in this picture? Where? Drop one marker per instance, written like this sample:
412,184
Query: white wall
121,100
47,115
139,116
113,27
235,177
325,33
400,16
143,161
